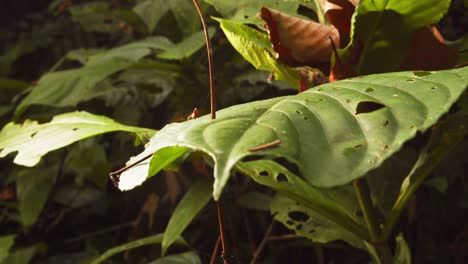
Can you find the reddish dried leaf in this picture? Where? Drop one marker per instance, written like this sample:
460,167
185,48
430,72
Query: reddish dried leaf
341,70
339,13
429,52
299,42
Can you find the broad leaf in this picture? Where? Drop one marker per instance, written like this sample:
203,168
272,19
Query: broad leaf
186,16
255,47
383,29
334,133
24,255
150,240
69,87
298,41
32,140
194,200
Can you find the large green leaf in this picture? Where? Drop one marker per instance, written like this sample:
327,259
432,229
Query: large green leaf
384,29
256,48
69,87
189,257
196,198
334,133
186,47
32,140
151,11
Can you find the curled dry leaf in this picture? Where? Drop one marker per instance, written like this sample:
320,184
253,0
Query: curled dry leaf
299,42
339,13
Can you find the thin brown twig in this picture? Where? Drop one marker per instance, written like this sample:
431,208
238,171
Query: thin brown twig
221,232
215,250
210,59
262,244
116,174
266,146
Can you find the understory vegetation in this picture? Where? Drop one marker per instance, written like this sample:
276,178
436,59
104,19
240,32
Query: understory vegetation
325,131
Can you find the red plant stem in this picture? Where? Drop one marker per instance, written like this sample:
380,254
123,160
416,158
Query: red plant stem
215,251
262,244
221,232
266,146
210,59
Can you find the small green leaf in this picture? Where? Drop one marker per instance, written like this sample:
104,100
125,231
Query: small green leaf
194,200
307,223
151,11
32,140
256,48
33,187
402,251
6,242
190,257
187,46
150,240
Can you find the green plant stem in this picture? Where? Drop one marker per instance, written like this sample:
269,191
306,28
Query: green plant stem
361,188
363,196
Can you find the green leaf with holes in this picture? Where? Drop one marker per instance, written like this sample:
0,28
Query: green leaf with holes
322,215
33,140
333,133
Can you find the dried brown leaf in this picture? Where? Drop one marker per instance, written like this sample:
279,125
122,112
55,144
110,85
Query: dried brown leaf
299,42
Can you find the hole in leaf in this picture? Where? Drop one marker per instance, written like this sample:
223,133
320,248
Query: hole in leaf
370,90
75,129
264,173
433,87
299,112
299,227
311,231
365,107
320,89
385,123
321,100
421,73
348,100
358,146
385,147
281,177
33,134
306,118
288,165
289,222
254,157
410,80
298,216
246,16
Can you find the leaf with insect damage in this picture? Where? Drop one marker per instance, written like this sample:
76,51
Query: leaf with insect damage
33,140
332,134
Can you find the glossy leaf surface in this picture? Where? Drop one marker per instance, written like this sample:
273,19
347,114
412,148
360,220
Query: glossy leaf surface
334,133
